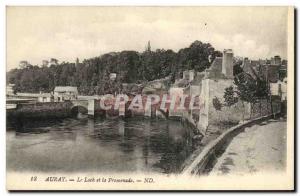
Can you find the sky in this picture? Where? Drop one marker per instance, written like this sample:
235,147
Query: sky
65,33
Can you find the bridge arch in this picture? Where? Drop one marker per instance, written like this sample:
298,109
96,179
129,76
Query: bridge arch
79,109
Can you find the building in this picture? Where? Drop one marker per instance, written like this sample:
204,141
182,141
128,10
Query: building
221,67
195,86
284,62
216,79
282,72
63,93
276,60
211,84
158,86
272,70
205,86
227,63
208,85
148,47
9,89
45,97
215,70
284,90
77,62
112,76
189,75
279,89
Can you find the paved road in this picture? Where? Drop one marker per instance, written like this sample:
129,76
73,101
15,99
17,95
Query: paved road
260,148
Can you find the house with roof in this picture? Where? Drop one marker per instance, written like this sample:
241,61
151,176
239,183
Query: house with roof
212,83
10,90
279,89
217,78
250,66
272,70
207,85
188,75
113,76
158,86
45,97
64,93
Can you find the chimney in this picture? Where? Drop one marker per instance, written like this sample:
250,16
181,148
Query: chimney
227,63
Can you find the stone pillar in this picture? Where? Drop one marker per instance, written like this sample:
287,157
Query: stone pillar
91,108
122,109
148,110
204,102
191,75
227,63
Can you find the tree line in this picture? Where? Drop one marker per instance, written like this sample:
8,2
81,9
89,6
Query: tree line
91,76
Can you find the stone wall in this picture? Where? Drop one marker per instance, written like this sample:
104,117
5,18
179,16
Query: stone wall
41,111
209,115
261,108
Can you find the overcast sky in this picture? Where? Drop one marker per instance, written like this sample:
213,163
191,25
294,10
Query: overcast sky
38,33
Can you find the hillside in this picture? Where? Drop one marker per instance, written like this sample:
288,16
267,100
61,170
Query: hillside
92,75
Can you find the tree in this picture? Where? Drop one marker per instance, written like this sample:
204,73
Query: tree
251,89
217,103
196,56
91,75
230,97
237,68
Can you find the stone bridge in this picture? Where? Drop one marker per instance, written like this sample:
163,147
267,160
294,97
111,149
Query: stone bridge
86,104
92,106
89,105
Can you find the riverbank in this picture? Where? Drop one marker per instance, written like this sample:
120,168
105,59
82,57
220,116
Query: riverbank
40,111
260,148
203,159
212,133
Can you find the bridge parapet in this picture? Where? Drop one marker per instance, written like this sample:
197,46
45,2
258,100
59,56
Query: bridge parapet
83,103
91,105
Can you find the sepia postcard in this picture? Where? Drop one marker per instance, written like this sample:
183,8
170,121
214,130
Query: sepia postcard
149,98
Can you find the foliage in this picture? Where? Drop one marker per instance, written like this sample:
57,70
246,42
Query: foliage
230,97
250,89
92,75
237,69
217,103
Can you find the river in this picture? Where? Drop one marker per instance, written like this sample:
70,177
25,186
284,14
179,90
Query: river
98,145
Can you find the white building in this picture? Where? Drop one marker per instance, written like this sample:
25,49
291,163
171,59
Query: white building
9,89
189,75
112,76
45,97
279,89
64,93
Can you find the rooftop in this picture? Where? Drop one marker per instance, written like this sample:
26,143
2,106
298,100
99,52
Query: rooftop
66,89
215,70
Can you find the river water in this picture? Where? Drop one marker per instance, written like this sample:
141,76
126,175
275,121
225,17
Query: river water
98,145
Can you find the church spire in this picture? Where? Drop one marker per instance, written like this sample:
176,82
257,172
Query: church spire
148,48
77,62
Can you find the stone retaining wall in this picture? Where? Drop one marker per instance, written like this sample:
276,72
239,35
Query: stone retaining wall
208,154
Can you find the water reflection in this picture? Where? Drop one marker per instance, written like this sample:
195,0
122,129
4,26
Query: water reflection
69,145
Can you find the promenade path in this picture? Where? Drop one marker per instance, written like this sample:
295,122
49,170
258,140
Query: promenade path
260,148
